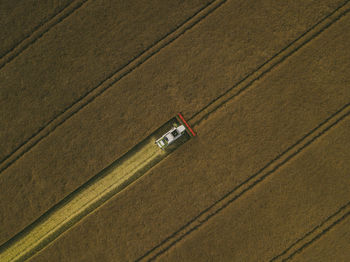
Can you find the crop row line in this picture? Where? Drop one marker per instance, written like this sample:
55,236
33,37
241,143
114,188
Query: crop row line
155,48
247,185
81,202
39,31
242,85
117,75
319,235
269,64
314,234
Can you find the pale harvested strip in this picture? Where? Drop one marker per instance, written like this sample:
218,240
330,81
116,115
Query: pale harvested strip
127,56
143,89
82,202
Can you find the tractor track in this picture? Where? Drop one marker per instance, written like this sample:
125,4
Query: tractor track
100,88
138,60
211,108
271,63
247,185
324,231
39,31
314,234
81,202
37,27
238,88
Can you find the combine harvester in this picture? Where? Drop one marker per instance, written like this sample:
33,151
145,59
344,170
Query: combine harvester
95,192
179,128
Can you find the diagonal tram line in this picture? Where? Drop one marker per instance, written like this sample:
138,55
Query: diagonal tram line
39,31
100,88
271,63
311,236
247,185
255,179
82,201
35,28
137,61
324,231
217,103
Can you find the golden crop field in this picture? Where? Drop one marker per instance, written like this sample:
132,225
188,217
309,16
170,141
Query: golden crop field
265,85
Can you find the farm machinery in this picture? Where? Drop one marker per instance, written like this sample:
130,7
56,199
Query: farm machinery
177,130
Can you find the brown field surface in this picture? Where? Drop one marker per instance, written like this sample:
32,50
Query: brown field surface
75,57
19,21
269,218
333,246
265,85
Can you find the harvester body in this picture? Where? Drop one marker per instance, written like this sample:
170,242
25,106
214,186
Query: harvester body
170,136
180,127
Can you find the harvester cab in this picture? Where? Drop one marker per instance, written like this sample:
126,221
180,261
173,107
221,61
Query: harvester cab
170,136
175,132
